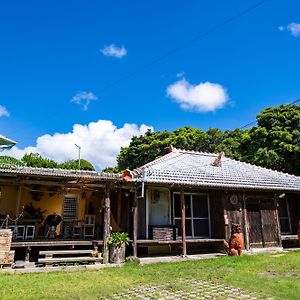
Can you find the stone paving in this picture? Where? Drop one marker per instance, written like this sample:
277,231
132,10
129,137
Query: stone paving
187,289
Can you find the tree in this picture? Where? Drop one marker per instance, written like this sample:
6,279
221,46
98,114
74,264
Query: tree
8,161
74,165
144,148
275,141
37,161
152,145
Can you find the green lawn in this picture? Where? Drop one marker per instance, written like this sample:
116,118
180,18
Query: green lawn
276,275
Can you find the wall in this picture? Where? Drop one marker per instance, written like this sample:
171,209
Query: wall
294,210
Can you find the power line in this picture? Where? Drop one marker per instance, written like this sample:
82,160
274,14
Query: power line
254,122
184,45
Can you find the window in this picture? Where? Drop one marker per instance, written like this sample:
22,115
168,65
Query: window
197,222
284,218
70,208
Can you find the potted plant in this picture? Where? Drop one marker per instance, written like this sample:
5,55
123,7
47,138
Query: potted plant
118,242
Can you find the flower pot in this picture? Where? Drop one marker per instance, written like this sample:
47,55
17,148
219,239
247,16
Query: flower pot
117,254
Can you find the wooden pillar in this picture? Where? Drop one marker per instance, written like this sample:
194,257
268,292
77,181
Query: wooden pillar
106,225
246,237
18,200
261,224
277,222
135,224
27,254
225,216
183,231
119,207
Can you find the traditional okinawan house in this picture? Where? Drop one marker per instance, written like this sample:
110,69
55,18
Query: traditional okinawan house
89,205
191,199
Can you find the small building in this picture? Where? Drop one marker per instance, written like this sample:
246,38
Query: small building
211,192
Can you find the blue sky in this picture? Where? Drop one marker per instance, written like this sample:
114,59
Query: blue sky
60,62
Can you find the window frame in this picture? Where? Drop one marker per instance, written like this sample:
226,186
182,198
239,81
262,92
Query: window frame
192,218
288,217
77,207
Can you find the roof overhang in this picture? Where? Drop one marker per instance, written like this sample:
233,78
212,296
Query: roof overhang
6,143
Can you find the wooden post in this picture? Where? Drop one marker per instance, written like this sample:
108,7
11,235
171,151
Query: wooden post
119,206
261,225
183,232
225,214
247,244
27,254
277,222
18,200
135,224
106,225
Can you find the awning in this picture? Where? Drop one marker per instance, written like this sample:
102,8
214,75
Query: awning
6,143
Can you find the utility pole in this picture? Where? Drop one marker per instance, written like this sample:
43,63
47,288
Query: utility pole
79,149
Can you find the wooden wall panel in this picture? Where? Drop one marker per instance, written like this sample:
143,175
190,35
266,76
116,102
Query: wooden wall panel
217,215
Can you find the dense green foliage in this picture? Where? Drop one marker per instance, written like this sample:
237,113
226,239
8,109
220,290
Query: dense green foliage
8,161
73,164
35,160
273,143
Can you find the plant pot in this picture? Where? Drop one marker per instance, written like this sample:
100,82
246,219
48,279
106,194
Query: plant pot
117,254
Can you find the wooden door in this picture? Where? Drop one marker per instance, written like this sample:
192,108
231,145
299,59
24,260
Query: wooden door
254,223
262,223
269,223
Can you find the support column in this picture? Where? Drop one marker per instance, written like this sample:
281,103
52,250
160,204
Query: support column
135,224
18,200
106,225
27,255
183,231
247,244
119,206
277,221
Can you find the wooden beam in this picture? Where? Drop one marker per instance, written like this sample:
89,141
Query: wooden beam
183,231
106,225
17,180
135,224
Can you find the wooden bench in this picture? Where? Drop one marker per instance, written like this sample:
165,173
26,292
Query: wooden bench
68,256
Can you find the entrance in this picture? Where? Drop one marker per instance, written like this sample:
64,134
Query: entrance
262,222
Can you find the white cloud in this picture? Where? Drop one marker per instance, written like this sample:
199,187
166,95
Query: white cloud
203,97
100,143
180,74
4,112
114,51
84,99
293,28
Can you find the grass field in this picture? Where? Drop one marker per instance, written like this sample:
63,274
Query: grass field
276,275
